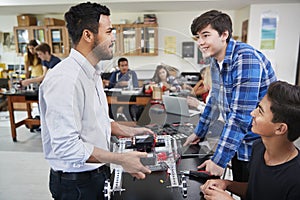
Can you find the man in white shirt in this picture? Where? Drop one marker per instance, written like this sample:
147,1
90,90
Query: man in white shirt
76,127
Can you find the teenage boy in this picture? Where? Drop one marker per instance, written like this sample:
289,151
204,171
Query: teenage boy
240,78
275,161
120,78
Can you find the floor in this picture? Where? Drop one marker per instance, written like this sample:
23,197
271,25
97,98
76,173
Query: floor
23,169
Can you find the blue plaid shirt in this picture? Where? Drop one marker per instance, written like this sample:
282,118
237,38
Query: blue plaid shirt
236,90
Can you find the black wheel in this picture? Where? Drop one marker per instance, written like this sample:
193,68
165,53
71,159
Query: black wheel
107,189
184,186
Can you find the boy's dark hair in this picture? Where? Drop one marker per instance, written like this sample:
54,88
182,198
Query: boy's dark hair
43,47
285,106
219,21
84,16
122,59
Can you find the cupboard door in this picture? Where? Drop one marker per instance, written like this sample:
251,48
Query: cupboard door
136,39
149,41
21,39
58,40
129,40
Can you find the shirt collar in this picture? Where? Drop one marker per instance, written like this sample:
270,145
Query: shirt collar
229,51
86,66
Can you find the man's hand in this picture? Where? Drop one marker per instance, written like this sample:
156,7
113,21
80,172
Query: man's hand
212,167
131,163
142,130
192,139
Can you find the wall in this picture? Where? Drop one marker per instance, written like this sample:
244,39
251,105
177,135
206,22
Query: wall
284,56
8,55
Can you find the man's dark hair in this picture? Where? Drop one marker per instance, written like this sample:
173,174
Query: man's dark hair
122,59
84,16
43,47
285,106
219,21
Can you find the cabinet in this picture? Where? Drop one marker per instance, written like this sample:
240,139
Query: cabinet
56,36
26,33
58,40
136,39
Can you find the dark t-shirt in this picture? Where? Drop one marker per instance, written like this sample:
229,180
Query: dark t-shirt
53,61
278,182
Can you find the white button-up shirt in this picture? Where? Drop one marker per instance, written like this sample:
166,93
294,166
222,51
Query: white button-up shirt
74,114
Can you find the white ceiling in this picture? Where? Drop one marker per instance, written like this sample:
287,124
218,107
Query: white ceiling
16,7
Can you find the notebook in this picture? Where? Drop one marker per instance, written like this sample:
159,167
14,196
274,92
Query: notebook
178,106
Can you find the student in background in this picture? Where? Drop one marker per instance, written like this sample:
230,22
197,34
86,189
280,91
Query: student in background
202,88
163,78
240,78
275,161
120,78
32,63
48,61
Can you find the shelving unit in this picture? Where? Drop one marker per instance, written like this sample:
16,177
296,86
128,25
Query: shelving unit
24,34
56,36
59,40
136,39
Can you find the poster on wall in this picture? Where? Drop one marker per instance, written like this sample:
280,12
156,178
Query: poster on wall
269,22
170,45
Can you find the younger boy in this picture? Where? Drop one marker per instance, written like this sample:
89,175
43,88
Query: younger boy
275,162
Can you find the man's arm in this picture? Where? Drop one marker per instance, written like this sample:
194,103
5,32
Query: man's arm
126,131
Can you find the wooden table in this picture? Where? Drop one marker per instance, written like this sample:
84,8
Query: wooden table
128,100
21,97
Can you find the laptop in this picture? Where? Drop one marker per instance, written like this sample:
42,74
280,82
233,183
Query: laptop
178,106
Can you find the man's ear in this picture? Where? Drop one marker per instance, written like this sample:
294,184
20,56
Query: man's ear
87,35
281,129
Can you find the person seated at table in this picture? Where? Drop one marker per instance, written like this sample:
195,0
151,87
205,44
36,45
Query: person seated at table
163,79
48,61
202,87
205,81
275,162
121,77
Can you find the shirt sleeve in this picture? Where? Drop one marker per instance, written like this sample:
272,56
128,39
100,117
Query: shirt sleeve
135,79
112,80
245,84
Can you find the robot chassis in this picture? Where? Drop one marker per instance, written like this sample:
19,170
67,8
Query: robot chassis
153,145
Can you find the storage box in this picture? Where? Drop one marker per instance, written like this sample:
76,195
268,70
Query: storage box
26,20
54,22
